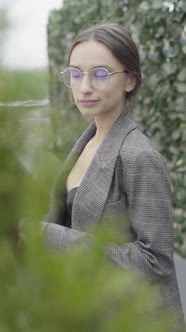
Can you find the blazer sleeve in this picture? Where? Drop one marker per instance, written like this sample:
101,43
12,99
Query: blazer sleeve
146,183
59,237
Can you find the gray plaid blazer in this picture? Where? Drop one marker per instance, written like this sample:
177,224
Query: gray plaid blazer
127,186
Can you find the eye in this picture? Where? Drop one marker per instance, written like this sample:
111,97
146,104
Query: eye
100,73
75,74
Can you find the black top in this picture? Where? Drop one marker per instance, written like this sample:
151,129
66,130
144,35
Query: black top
66,220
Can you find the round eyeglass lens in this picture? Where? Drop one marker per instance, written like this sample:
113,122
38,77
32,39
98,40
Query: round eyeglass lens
70,76
99,77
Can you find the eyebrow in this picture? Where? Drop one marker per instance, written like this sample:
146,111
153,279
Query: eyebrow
98,66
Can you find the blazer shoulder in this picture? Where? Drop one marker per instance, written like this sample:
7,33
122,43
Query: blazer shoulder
136,140
138,149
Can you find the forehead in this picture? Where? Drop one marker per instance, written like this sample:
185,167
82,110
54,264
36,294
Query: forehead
91,53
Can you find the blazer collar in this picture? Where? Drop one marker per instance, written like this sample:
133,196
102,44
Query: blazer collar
93,191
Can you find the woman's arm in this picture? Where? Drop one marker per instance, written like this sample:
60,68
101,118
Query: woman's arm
59,237
150,212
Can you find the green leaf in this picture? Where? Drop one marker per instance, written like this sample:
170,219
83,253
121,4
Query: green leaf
169,68
182,75
144,5
181,87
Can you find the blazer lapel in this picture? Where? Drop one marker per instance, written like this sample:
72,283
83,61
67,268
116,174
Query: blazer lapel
93,191
81,143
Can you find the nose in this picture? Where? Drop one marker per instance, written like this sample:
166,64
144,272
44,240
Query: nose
86,85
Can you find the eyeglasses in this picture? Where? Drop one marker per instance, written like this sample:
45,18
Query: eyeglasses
99,77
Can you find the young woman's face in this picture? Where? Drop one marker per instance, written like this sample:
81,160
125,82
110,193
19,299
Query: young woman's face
98,99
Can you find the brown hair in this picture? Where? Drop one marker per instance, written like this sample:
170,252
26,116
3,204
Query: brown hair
119,42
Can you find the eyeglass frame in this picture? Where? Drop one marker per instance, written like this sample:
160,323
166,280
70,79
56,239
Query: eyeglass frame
88,72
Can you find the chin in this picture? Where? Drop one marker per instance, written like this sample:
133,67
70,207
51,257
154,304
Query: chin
87,112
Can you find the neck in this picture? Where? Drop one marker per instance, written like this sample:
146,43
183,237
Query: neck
104,123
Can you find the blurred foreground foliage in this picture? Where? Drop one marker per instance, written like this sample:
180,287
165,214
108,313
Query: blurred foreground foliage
159,29
73,291
43,291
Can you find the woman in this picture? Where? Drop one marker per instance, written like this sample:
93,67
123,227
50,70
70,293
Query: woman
116,175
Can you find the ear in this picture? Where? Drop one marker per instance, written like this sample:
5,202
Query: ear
131,83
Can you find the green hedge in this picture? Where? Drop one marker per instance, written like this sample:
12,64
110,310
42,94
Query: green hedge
158,27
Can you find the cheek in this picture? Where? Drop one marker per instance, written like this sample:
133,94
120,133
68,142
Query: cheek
73,94
115,92
122,86
71,97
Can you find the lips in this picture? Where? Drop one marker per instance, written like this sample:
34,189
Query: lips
88,102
